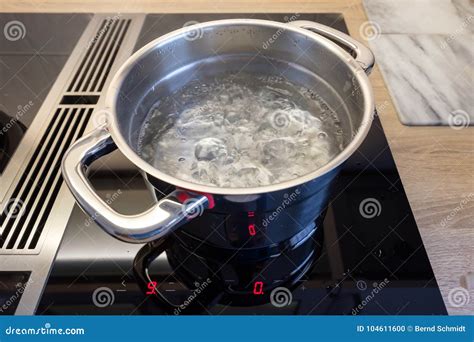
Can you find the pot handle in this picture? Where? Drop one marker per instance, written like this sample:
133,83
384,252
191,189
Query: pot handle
362,54
158,221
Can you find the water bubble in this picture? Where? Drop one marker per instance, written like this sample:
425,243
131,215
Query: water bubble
241,130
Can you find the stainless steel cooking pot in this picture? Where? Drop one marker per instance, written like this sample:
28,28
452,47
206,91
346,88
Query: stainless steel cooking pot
265,212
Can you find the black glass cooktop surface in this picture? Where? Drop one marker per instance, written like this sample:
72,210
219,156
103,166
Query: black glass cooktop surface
33,50
366,255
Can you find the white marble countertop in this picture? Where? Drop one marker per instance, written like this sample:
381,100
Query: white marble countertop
425,49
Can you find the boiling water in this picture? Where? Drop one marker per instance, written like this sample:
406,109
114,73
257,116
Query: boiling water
241,130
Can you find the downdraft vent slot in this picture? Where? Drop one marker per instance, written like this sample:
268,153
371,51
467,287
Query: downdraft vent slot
23,218
80,99
100,55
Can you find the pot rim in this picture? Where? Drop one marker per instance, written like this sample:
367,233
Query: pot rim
357,139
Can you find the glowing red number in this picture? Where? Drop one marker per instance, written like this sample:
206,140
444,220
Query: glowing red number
251,214
151,287
252,231
258,288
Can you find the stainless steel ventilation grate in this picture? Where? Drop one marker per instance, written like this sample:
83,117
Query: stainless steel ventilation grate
23,220
100,55
24,216
35,204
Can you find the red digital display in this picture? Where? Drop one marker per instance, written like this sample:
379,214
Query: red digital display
258,288
251,226
151,288
252,231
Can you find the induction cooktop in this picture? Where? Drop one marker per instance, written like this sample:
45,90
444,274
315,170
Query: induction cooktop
366,255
